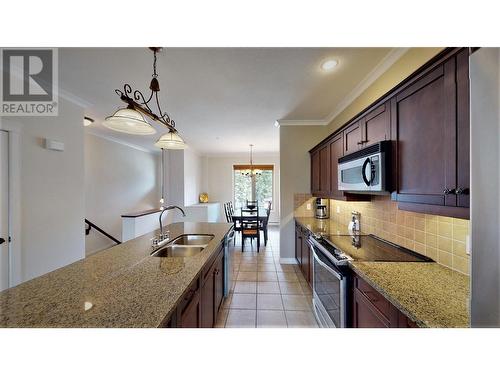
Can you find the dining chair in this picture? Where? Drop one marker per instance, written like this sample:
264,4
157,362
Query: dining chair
229,212
252,205
265,223
250,227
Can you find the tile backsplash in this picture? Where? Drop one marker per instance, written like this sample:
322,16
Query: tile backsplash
441,238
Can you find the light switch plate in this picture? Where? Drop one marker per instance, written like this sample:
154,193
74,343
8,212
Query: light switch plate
338,209
467,244
308,206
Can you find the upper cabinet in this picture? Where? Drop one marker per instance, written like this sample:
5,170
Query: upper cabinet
336,146
376,125
320,171
353,138
431,122
427,118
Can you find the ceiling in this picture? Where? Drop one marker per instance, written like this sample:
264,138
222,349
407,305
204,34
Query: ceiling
222,99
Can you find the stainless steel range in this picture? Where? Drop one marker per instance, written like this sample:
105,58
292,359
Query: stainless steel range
331,273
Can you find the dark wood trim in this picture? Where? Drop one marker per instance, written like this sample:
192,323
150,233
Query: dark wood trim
463,128
458,212
143,213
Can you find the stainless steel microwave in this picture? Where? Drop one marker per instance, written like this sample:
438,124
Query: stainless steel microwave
365,170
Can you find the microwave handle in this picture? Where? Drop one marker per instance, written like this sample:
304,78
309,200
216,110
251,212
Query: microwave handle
363,174
328,268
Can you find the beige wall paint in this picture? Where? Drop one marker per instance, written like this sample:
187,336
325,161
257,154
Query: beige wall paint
295,141
52,191
219,178
118,180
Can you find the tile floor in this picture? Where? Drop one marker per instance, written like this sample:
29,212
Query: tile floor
266,294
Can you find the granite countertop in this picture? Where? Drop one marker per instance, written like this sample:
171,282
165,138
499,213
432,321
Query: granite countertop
429,294
122,286
323,227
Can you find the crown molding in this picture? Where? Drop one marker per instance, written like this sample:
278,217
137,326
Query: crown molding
394,55
120,141
301,122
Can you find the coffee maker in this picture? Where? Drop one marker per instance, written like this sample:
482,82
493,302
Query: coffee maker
322,209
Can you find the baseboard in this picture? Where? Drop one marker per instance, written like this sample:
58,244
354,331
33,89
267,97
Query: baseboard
288,261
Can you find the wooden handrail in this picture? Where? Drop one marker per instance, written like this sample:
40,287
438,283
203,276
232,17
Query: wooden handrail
92,225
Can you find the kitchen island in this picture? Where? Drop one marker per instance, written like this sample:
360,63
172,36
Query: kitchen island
122,286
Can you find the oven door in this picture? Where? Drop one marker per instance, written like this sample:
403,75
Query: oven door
363,174
329,291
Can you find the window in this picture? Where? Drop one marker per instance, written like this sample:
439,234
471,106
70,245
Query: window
258,187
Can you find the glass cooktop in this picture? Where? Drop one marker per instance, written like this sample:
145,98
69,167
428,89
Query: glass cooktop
369,248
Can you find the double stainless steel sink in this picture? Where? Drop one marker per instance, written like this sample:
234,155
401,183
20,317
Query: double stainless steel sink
186,245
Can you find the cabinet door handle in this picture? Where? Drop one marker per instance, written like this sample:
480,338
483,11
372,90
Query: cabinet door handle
464,191
360,142
448,191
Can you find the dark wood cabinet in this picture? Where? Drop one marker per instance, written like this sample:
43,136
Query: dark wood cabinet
306,258
373,127
219,283
353,137
208,302
431,122
298,244
190,309
320,171
324,172
315,172
428,121
372,310
303,252
212,290
336,146
376,125
202,301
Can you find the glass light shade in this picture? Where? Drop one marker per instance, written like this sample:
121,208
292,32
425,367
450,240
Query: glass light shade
129,121
171,141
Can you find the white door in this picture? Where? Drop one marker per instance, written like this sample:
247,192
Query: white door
4,213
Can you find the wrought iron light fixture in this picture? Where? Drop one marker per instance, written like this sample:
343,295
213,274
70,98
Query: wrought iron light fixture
252,171
132,119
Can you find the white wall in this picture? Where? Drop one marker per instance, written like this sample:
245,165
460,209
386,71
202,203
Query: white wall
219,178
52,191
192,176
485,192
118,179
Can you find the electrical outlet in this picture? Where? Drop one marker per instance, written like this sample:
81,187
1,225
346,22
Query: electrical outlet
308,206
338,209
467,244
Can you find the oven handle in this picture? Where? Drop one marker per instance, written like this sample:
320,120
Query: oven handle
328,268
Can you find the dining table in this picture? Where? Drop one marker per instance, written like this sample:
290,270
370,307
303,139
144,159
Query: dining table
261,215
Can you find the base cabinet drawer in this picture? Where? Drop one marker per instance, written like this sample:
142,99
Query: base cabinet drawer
202,301
372,310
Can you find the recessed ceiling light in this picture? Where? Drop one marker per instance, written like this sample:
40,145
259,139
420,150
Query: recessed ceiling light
87,121
329,65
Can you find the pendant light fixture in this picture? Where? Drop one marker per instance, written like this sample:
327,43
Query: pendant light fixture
133,118
251,171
